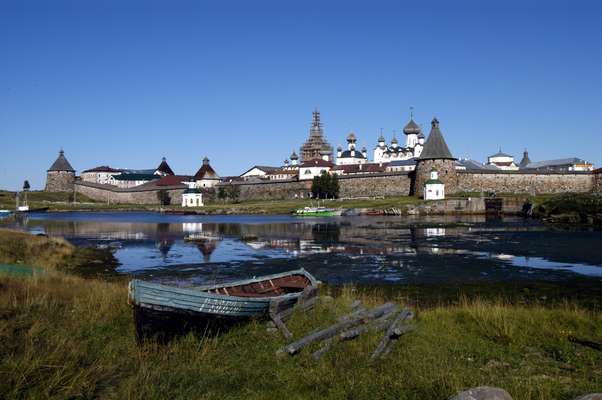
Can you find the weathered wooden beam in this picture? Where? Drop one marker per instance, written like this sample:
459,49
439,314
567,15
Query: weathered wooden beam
384,342
275,316
326,346
331,331
355,312
378,324
400,330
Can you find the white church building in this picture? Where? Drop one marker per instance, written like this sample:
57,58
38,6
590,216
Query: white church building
192,197
351,155
384,153
434,189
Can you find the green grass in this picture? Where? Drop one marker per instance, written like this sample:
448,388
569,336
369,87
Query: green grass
583,208
64,336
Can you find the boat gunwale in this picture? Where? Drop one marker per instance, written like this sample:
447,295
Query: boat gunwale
203,291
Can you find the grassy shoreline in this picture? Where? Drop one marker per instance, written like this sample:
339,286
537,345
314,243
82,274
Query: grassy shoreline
63,335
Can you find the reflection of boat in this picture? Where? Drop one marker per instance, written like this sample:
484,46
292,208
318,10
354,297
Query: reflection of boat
227,302
316,212
5,213
26,210
201,237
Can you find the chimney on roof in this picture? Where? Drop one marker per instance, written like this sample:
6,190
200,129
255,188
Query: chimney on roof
205,161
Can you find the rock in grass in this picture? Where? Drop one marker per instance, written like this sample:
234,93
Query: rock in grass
591,396
482,393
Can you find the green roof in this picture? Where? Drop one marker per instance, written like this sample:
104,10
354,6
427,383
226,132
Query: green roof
136,177
433,182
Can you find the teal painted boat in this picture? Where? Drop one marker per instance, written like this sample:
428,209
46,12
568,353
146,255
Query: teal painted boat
316,212
238,299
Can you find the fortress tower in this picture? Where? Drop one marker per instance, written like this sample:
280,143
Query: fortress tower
436,155
60,177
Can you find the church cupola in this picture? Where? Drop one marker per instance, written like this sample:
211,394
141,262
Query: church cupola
365,152
339,151
412,130
394,142
294,158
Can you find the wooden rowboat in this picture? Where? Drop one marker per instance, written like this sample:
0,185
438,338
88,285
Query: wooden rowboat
229,302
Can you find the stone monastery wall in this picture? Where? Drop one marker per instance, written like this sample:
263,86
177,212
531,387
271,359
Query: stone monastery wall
598,182
394,184
111,194
391,184
521,182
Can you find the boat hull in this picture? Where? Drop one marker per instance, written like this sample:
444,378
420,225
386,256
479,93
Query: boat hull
162,311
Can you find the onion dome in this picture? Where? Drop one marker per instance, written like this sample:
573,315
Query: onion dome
394,140
294,156
412,128
351,138
339,148
364,149
421,135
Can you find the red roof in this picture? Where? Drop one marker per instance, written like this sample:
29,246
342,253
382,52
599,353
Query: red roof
165,168
360,168
318,162
171,180
205,172
102,168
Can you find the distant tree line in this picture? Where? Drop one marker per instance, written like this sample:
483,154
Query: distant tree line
325,186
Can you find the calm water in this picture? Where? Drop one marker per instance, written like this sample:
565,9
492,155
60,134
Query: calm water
360,250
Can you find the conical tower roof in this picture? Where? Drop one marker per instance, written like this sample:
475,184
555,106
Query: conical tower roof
526,160
61,164
164,167
435,146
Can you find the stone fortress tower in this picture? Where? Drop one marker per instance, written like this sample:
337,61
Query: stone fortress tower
60,177
436,155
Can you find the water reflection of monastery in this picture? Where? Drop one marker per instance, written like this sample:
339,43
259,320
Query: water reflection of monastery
296,239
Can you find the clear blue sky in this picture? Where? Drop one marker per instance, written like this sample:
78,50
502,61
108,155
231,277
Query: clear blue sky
124,83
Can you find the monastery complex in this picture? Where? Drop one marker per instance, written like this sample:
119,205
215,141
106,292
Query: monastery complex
401,167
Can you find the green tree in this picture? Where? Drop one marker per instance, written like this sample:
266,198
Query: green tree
234,193
325,186
221,193
163,197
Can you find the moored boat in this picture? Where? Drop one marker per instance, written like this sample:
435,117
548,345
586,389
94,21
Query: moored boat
316,212
27,210
233,301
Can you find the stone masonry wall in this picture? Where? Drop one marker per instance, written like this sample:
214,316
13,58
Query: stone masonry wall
59,181
520,182
598,182
447,174
111,194
393,184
